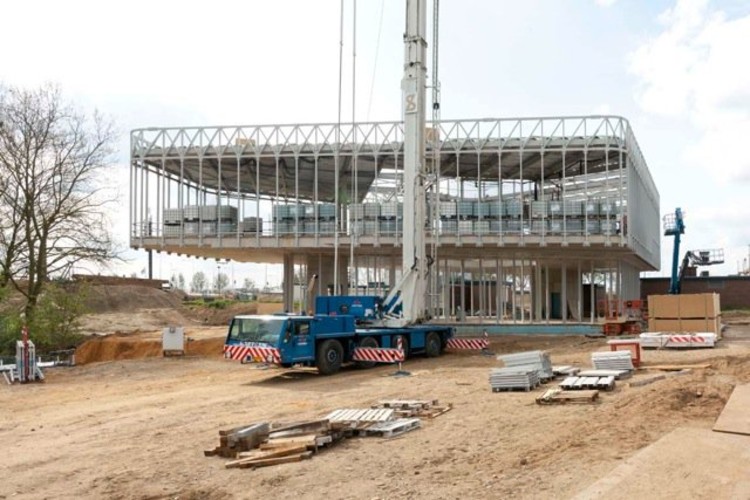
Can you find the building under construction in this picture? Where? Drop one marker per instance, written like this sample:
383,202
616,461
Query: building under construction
527,220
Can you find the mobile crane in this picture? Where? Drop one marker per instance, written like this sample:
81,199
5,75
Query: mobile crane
328,338
674,225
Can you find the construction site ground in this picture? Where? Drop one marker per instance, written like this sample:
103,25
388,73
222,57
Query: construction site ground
129,423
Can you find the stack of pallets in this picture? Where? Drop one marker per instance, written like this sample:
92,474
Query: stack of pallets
514,378
612,360
538,360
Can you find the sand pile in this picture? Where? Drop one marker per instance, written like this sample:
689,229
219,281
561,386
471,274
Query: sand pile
118,347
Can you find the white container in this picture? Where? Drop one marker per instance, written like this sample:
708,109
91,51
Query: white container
591,208
447,209
448,227
573,208
465,227
372,210
191,228
172,231
538,209
192,212
513,208
495,209
465,209
172,215
482,209
173,339
356,211
554,208
481,227
539,226
208,212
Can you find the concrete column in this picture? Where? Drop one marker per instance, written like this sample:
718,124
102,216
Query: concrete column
288,285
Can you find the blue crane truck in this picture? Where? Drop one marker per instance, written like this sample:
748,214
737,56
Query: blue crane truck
327,339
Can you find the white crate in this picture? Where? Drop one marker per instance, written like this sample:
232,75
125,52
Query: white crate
448,209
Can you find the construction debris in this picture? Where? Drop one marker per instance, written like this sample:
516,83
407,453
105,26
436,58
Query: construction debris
539,360
559,396
612,360
264,444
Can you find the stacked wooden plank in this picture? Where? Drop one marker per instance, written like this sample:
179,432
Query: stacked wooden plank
263,444
539,360
612,360
514,378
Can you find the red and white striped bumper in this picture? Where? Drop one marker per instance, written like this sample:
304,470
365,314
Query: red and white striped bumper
256,354
471,344
378,354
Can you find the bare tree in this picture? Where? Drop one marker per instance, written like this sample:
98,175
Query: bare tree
221,282
53,162
199,282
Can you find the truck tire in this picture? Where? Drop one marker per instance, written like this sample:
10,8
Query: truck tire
329,357
367,342
433,345
404,342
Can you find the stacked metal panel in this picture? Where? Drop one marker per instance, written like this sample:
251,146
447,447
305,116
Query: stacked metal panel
513,378
537,360
612,360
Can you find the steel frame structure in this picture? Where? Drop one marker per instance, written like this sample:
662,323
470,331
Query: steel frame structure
488,161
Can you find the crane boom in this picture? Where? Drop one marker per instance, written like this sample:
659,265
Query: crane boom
414,261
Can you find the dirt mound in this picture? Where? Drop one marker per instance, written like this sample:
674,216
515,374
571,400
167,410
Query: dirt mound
119,298
214,316
118,347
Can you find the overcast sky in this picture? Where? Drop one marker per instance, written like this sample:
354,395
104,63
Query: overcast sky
678,70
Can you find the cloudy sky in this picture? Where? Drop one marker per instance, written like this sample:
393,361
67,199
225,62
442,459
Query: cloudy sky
677,69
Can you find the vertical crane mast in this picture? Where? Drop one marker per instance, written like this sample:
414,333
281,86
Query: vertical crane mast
414,262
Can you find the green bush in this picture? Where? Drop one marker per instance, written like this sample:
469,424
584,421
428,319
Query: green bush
55,324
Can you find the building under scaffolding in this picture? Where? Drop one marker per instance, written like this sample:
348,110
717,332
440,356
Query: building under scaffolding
528,220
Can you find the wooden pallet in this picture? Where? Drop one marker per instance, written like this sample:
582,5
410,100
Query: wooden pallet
415,408
558,396
393,428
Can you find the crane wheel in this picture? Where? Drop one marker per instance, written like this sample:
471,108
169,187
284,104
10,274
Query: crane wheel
433,346
367,342
329,357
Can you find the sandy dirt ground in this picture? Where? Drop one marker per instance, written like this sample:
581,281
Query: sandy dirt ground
137,428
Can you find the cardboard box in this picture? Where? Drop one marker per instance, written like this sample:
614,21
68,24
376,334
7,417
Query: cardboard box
697,305
712,325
